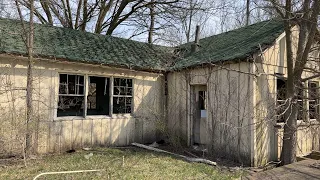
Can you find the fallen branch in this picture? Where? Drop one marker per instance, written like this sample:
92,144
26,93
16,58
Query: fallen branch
191,154
198,160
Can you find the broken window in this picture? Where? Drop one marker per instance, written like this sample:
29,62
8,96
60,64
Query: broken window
71,95
313,91
281,99
98,96
122,95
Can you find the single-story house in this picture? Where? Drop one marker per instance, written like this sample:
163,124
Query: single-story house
91,90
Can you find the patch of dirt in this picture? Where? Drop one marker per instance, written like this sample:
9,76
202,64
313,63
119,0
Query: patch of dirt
4,162
314,155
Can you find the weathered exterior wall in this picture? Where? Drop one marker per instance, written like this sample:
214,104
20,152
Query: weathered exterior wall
57,134
241,121
229,108
269,133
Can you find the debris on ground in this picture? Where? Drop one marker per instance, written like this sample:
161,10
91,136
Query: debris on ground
154,144
198,160
88,156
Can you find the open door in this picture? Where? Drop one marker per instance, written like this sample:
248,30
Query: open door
199,106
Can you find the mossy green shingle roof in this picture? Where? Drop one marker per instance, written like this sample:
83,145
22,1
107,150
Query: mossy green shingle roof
73,45
236,44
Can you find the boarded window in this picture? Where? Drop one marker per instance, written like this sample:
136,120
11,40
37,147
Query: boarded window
71,95
122,95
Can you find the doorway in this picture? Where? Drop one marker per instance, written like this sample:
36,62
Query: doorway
199,107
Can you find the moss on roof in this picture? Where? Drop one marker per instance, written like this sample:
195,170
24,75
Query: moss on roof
65,43
73,45
236,44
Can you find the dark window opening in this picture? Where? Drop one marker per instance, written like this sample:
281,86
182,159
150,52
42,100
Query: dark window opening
202,100
98,96
122,95
281,99
71,95
313,91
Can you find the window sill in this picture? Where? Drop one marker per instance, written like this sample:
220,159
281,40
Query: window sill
299,123
93,117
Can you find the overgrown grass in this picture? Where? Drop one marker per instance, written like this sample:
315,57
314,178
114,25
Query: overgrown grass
137,164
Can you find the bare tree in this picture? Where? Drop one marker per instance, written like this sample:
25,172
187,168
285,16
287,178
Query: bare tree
28,34
105,15
305,14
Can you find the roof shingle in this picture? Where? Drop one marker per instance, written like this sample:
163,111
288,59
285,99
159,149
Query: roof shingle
236,44
74,45
65,43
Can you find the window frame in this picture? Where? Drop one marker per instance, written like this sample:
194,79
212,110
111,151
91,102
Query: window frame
85,96
71,95
317,108
132,96
305,99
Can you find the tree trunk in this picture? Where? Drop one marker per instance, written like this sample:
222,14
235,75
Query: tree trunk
152,19
288,153
29,96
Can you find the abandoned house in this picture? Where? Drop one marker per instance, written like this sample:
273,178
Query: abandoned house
222,92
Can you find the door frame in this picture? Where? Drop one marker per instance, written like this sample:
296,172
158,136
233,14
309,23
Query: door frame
193,92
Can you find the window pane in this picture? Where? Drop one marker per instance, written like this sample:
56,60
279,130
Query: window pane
123,82
63,89
116,82
128,109
63,84
129,91
116,90
312,109
128,100
281,96
313,91
300,90
129,82
313,99
80,90
70,106
300,110
281,89
81,80
71,84
281,107
122,90
119,105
